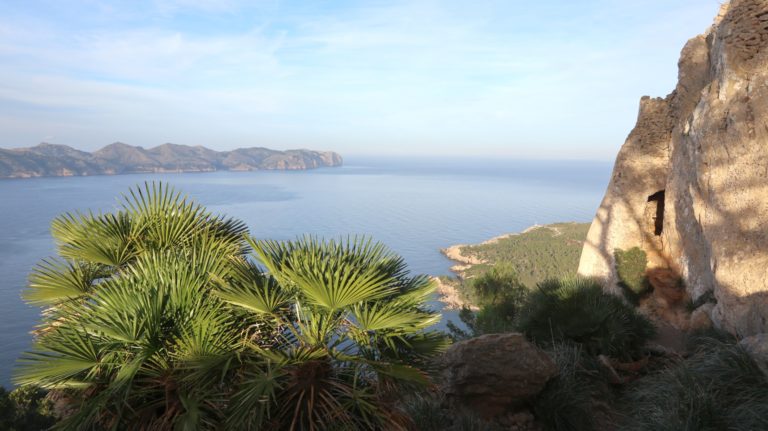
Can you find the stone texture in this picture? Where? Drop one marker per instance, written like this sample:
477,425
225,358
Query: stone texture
701,318
705,146
494,374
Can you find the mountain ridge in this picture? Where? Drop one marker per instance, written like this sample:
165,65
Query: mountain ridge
54,160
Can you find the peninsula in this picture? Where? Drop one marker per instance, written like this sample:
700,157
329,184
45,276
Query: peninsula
536,254
49,160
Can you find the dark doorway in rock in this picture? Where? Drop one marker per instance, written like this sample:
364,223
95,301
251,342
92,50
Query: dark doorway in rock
656,211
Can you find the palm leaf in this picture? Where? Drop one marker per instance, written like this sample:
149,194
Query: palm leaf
322,271
251,403
261,295
59,359
377,316
54,281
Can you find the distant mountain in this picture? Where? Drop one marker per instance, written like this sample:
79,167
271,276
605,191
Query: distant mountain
48,160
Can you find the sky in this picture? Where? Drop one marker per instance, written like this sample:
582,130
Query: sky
546,79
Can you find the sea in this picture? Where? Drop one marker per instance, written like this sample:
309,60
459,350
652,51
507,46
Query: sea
415,206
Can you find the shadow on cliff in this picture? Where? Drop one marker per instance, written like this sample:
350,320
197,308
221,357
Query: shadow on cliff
689,233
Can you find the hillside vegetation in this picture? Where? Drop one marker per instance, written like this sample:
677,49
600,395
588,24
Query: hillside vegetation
550,251
535,255
47,160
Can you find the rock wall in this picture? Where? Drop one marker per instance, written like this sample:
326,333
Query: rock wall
690,184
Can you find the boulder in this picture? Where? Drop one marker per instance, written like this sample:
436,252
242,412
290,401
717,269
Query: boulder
494,374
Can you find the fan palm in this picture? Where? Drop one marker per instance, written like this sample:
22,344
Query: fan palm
161,316
350,323
127,291
577,310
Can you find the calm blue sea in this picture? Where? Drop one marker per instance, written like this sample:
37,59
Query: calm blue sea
415,206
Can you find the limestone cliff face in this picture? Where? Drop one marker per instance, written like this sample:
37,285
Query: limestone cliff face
690,184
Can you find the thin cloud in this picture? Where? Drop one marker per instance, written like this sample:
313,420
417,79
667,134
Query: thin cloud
515,77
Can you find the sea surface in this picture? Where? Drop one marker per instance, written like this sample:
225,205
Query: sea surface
415,206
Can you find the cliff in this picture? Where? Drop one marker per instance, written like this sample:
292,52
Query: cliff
690,184
47,160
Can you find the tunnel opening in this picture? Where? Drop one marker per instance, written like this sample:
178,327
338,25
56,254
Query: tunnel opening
655,211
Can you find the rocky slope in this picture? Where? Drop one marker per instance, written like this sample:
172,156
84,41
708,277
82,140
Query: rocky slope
690,184
46,160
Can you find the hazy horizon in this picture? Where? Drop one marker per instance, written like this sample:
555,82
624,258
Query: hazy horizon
554,80
364,156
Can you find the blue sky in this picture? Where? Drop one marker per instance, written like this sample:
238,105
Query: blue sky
528,79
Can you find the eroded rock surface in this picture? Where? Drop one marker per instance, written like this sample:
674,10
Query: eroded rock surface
690,184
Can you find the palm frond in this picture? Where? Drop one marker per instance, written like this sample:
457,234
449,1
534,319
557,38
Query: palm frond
252,401
262,295
166,218
54,281
374,316
61,359
329,274
103,238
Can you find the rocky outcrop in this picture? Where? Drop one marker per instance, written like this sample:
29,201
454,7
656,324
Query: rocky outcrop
690,184
494,374
46,160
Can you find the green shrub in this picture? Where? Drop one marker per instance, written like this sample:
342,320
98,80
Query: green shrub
566,403
704,338
490,319
718,388
500,294
497,318
498,284
630,268
428,414
25,408
578,311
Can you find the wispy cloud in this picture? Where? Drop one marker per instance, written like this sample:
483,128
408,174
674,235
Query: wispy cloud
504,77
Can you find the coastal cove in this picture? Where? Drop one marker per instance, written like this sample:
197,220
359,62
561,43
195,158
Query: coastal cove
415,206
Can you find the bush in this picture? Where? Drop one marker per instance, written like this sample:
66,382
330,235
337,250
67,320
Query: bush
718,388
497,318
490,319
25,408
500,294
630,269
704,338
566,403
499,284
428,414
578,311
